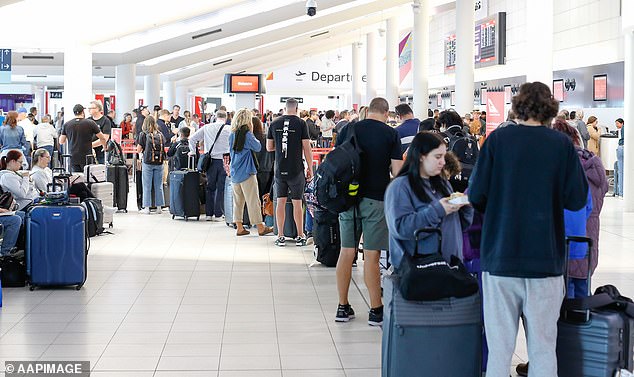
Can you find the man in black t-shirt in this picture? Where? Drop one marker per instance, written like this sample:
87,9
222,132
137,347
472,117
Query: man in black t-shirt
288,137
176,117
381,146
79,132
96,114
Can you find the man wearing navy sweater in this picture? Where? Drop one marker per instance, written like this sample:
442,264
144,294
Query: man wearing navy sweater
524,179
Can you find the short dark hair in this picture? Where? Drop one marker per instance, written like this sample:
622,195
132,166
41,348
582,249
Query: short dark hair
185,131
378,105
175,106
449,118
430,113
620,120
535,101
330,114
403,109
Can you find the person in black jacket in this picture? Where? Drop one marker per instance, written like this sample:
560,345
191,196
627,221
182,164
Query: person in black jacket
179,150
313,125
526,175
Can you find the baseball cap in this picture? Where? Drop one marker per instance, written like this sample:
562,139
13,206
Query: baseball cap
78,109
142,107
22,110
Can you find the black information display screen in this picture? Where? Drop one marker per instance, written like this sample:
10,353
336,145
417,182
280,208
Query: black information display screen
489,43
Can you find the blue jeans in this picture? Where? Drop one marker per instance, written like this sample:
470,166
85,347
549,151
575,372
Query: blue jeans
11,225
618,172
152,175
215,192
309,222
577,288
49,149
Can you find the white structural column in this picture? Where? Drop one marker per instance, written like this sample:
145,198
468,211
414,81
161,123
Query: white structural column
124,88
152,90
420,57
77,77
539,37
169,95
182,100
628,117
391,62
465,36
356,74
371,60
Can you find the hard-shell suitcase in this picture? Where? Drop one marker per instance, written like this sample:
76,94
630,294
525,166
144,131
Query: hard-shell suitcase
593,343
228,204
104,191
95,173
118,175
184,200
441,338
56,246
326,237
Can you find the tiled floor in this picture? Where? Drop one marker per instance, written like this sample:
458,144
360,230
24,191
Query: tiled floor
175,298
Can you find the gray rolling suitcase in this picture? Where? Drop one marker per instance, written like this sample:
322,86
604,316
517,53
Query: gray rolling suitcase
441,338
104,191
228,204
593,343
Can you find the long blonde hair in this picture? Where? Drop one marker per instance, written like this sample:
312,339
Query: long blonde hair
242,117
149,125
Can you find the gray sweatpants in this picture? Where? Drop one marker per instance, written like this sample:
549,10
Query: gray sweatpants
505,300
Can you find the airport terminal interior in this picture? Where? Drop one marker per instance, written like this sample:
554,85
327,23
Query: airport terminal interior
168,297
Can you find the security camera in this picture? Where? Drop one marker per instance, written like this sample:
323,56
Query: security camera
311,7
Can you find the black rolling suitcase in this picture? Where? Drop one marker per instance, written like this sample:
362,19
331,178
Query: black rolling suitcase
118,175
184,191
326,237
595,337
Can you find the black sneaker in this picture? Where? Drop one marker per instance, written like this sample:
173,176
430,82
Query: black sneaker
280,241
344,313
300,241
375,317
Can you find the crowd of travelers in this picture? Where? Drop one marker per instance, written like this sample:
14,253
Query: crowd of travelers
541,158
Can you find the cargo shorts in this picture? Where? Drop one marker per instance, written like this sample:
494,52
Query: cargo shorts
370,220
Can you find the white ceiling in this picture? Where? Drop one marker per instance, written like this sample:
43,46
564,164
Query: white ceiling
257,35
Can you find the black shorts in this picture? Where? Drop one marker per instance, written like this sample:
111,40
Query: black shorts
295,185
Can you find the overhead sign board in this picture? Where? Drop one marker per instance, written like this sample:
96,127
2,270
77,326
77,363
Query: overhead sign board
55,95
5,66
489,43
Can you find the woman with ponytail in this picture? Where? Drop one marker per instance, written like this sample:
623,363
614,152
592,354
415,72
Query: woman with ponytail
419,198
20,185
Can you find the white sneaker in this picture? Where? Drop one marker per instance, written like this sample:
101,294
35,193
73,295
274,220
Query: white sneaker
217,219
159,210
145,211
209,218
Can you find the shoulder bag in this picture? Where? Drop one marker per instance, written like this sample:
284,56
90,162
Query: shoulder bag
205,160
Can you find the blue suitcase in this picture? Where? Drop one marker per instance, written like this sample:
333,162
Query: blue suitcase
441,338
56,246
184,194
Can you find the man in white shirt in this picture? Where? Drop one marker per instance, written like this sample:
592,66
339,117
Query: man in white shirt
45,135
27,126
215,136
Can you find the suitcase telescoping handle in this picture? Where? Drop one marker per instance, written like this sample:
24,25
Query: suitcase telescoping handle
51,186
577,239
191,162
437,231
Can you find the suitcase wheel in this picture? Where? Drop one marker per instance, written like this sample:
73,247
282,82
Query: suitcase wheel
110,225
77,288
197,218
186,218
173,217
31,288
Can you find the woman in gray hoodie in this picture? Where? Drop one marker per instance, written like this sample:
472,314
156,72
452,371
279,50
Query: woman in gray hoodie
419,198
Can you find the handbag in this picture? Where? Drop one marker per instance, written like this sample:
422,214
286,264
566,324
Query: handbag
267,205
205,160
6,201
428,277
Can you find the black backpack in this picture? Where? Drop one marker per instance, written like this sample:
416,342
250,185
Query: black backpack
466,149
115,153
337,178
94,216
181,156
